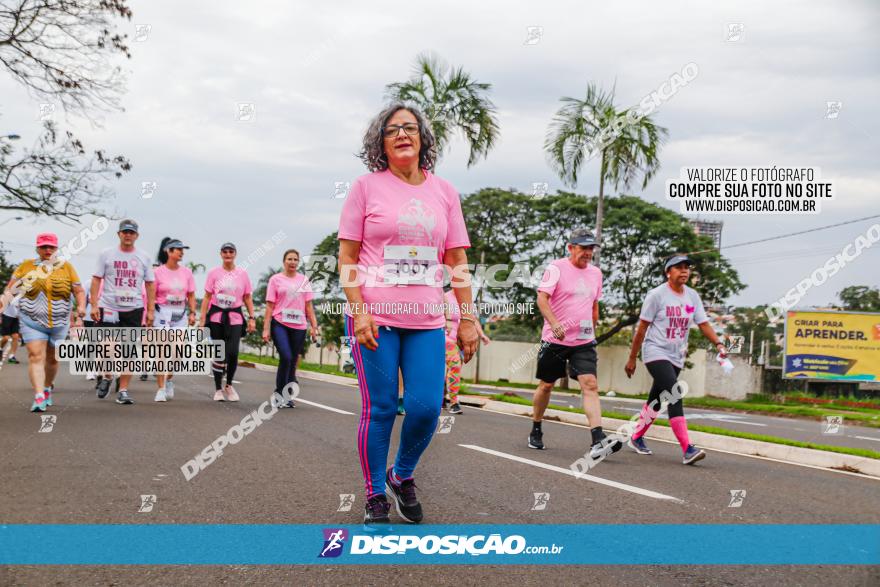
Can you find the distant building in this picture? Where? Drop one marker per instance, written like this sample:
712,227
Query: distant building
709,228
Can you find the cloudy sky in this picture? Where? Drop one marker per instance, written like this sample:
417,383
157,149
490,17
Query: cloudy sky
316,75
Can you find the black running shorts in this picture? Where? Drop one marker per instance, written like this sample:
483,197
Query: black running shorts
128,319
8,325
582,360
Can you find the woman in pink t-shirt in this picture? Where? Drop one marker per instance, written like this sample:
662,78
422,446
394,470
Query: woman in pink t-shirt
227,288
399,224
175,294
289,312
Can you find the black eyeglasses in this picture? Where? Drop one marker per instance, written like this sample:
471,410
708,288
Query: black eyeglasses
392,130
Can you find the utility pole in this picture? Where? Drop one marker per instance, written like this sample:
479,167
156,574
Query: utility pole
751,344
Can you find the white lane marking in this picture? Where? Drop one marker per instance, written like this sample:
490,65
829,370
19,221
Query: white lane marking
730,419
740,422
317,405
867,438
599,480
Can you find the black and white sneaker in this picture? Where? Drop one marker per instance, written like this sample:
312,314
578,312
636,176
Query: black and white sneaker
455,408
405,500
536,439
376,510
605,447
102,388
122,397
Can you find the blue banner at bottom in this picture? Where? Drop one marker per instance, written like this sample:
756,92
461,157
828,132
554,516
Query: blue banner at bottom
625,544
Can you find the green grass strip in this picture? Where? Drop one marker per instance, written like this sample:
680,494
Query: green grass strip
329,369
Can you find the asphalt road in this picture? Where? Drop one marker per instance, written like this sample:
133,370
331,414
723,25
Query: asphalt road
791,428
100,457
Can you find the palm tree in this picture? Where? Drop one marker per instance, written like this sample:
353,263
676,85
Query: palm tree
195,267
263,284
626,142
453,102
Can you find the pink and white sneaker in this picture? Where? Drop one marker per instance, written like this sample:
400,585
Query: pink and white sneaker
218,396
231,394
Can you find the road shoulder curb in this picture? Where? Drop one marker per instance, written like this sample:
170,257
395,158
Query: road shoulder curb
744,446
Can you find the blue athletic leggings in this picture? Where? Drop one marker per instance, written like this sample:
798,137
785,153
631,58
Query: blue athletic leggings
420,355
289,342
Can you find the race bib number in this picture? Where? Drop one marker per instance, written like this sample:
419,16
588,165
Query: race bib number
409,265
128,298
224,300
163,316
585,330
174,301
110,316
293,316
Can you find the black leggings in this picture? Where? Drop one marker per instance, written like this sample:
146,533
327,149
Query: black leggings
665,376
231,337
289,342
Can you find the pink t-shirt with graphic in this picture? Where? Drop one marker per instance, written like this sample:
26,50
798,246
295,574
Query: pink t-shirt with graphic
572,292
227,289
172,286
404,231
289,294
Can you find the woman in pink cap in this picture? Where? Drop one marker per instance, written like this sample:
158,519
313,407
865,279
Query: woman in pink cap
44,286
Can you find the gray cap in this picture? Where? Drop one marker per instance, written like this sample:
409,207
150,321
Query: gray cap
228,246
582,236
175,244
676,260
128,224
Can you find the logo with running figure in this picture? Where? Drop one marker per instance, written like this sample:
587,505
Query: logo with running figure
334,541
47,423
832,425
346,500
541,502
445,424
415,220
147,503
737,497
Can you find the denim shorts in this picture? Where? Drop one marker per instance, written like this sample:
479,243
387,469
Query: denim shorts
32,331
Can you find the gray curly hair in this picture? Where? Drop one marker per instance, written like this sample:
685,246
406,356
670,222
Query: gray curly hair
373,153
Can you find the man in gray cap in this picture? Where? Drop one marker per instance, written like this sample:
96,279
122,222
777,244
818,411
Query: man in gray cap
568,298
125,273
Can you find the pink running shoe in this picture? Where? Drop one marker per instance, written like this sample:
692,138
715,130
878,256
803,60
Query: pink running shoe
218,396
231,395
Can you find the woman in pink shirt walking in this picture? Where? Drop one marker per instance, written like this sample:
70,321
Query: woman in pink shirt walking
227,288
289,313
399,224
